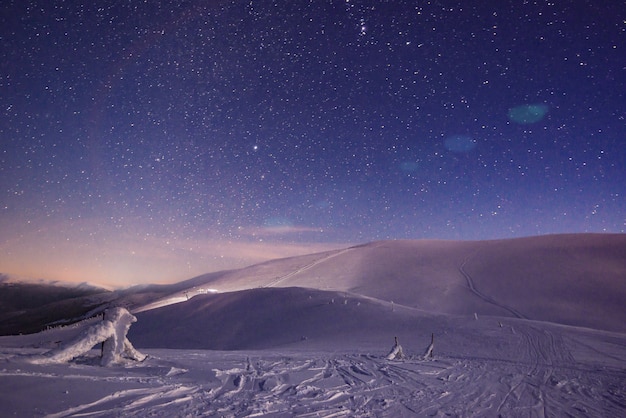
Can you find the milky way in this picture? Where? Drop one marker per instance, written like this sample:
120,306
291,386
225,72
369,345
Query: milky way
151,141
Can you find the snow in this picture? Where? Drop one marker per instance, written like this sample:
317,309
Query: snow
324,350
396,352
575,279
479,369
176,298
110,332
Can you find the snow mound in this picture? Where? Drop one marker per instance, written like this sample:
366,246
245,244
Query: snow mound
265,318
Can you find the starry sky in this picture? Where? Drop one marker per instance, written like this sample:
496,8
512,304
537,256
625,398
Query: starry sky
152,141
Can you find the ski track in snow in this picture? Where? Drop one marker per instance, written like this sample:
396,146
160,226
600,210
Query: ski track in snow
474,290
541,382
280,279
131,402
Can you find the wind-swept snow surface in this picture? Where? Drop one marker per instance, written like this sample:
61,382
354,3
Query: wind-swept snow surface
519,328
480,368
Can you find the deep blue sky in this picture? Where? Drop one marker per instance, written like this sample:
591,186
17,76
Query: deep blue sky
152,141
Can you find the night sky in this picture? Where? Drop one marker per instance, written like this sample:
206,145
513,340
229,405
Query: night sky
151,141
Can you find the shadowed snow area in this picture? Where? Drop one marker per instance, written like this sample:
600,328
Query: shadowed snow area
530,327
267,318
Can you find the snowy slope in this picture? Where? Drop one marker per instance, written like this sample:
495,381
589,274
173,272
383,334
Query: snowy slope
270,318
572,279
484,367
576,279
308,336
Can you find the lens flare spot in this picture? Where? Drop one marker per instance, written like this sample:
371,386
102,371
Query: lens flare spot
409,166
460,143
322,204
527,114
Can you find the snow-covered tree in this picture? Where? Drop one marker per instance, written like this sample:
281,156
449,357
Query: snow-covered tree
111,332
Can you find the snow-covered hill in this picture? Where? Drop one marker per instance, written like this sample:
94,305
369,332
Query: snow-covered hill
576,279
527,327
570,279
272,318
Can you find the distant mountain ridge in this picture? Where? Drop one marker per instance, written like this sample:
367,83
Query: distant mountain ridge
30,307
